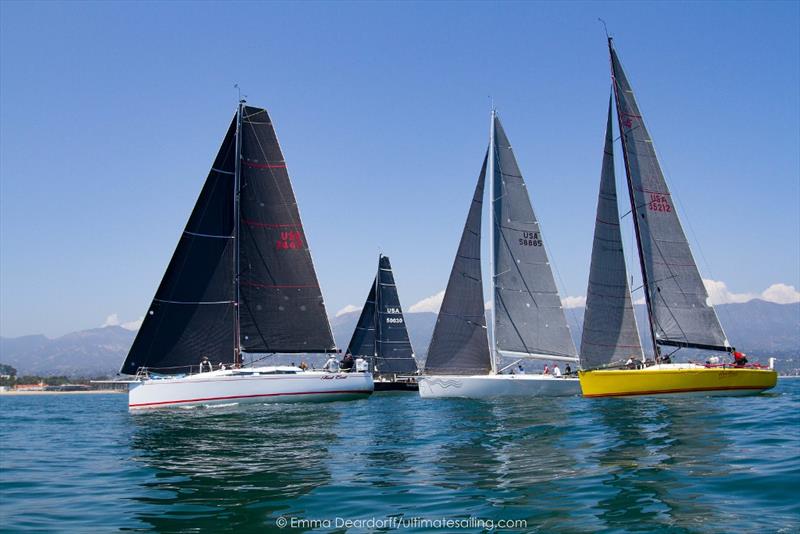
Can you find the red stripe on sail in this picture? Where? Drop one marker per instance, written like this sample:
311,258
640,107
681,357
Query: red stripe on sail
265,165
249,222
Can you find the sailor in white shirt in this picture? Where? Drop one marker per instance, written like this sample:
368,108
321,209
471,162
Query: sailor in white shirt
556,371
332,365
361,365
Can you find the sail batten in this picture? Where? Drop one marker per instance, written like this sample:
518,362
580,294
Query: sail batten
609,327
460,343
679,311
528,314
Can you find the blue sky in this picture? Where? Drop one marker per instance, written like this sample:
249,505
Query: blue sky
112,112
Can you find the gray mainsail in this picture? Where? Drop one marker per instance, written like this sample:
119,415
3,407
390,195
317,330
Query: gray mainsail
677,300
609,325
459,345
529,319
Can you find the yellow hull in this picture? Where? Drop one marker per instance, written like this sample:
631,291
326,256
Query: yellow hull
668,379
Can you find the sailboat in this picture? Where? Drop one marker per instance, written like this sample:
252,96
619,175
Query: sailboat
381,336
241,281
679,313
527,318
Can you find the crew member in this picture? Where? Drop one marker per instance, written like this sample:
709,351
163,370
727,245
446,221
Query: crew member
205,365
556,371
362,366
739,359
347,362
332,365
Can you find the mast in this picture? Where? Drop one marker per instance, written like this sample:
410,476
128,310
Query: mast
237,352
634,209
492,219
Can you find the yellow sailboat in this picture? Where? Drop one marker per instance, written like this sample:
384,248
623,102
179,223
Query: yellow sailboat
679,313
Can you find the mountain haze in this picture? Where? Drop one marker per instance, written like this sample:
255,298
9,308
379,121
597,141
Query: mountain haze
759,327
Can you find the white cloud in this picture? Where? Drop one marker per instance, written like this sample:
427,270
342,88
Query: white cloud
133,325
429,304
111,320
781,294
718,293
488,304
573,302
347,309
640,301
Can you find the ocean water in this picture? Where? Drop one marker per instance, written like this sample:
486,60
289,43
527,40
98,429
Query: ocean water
395,462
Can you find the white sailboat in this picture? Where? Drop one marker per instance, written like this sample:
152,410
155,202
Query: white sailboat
527,319
241,281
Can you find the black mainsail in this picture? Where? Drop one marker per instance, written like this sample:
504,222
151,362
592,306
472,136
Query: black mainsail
394,353
609,326
281,307
241,278
677,300
460,345
381,335
529,320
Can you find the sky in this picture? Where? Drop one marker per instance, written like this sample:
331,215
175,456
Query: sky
112,112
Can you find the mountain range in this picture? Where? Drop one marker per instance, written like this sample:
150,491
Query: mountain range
757,327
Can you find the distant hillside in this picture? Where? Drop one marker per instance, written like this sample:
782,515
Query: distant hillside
759,327
95,352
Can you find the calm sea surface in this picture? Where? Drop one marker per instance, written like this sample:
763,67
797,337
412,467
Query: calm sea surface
83,463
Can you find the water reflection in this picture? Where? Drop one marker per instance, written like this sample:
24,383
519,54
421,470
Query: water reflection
220,469
659,447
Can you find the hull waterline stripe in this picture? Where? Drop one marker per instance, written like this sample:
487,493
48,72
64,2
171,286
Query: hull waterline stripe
355,391
683,390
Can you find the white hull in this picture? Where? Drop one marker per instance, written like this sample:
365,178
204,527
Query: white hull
487,386
249,385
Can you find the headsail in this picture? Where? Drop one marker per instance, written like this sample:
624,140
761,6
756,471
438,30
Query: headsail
192,313
529,319
680,313
459,345
363,341
281,303
394,354
609,326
